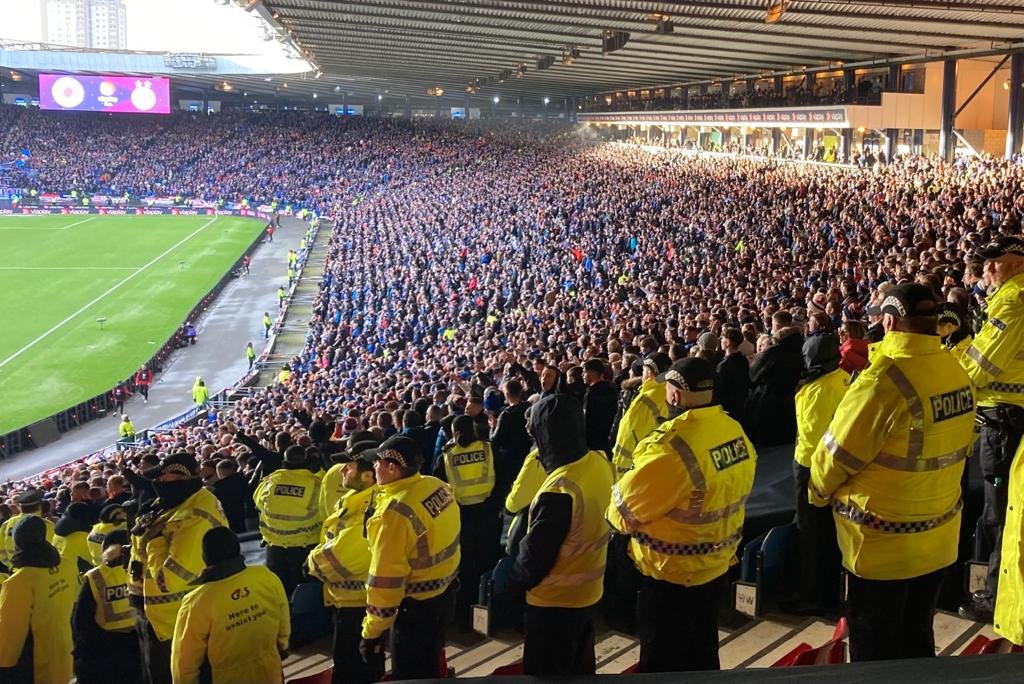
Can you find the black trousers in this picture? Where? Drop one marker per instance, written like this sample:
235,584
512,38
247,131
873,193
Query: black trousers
820,560
559,641
114,657
998,444
417,637
156,657
678,625
144,391
621,584
287,564
891,619
479,539
349,667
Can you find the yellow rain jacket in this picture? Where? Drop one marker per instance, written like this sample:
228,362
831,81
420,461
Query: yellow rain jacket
7,535
816,404
97,535
890,462
470,471
995,359
683,503
288,502
342,559
643,415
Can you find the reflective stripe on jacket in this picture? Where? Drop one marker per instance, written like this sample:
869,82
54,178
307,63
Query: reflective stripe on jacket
683,504
342,559
470,471
288,502
891,459
995,359
643,415
816,404
109,587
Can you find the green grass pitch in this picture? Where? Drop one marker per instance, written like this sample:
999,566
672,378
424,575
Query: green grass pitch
59,274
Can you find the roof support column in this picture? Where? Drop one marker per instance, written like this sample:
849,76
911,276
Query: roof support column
776,140
808,143
893,86
1015,119
779,89
947,117
890,143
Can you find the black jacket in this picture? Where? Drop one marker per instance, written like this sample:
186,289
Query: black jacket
511,444
732,385
599,406
774,375
232,493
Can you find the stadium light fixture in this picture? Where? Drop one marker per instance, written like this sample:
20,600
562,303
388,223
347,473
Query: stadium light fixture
496,99
379,98
547,100
314,96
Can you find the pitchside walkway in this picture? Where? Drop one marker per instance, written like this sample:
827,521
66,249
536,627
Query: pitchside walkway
218,357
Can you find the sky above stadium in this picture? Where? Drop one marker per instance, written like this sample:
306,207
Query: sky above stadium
178,26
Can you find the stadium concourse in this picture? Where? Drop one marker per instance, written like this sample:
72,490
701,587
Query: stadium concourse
477,268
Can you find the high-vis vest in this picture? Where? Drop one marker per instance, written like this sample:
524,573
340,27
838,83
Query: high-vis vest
109,587
1009,617
332,490
342,559
816,404
683,503
98,535
470,471
38,601
75,547
643,415
960,348
171,550
289,506
414,547
891,459
576,580
239,625
528,482
995,359
7,535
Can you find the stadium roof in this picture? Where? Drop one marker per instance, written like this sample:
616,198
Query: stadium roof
412,45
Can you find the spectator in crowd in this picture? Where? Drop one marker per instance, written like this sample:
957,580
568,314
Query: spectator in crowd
774,375
599,405
231,491
732,375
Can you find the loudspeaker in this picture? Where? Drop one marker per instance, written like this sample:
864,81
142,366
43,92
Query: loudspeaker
44,432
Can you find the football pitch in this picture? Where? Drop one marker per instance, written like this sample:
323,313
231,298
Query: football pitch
59,274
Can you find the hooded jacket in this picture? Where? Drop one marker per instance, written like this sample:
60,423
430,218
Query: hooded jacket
816,402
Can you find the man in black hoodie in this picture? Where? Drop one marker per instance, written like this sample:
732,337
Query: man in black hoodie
509,439
562,574
232,491
599,406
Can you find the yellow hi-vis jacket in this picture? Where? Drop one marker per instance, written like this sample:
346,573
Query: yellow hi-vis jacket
332,491
75,548
470,471
643,415
683,503
960,348
288,502
816,404
414,547
576,580
891,459
38,602
528,482
109,587
7,535
342,559
995,359
1009,618
97,535
172,556
240,624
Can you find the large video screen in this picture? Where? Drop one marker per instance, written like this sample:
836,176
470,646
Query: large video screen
132,94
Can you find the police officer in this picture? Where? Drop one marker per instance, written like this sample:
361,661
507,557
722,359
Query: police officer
35,610
954,329
342,561
168,554
414,559
112,517
682,506
467,464
234,628
561,560
71,536
332,486
288,502
824,384
890,465
995,364
30,502
644,414
103,623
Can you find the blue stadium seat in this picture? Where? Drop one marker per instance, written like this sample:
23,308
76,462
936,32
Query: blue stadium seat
310,618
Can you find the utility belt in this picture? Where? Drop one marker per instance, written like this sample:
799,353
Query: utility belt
1001,417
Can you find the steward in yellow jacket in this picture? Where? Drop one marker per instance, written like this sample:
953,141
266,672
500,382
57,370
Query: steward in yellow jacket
467,464
71,536
342,562
112,518
103,622
35,610
414,559
31,504
890,465
683,506
170,553
562,558
643,415
288,503
824,385
995,363
237,621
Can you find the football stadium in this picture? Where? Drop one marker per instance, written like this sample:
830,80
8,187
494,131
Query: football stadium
349,341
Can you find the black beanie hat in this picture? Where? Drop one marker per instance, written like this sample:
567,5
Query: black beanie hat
30,532
117,538
220,544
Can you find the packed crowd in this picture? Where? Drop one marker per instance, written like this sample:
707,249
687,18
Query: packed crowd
472,270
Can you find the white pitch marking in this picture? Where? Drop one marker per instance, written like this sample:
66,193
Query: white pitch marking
78,223
116,286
